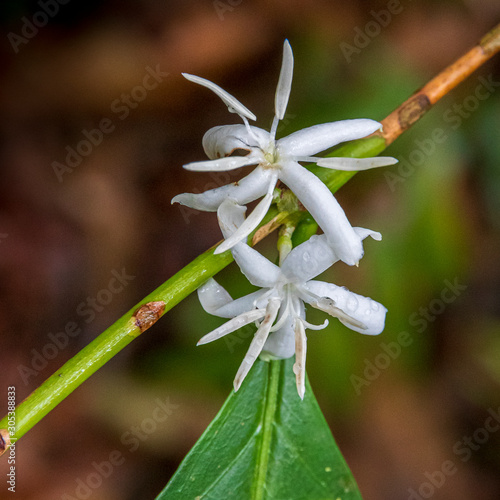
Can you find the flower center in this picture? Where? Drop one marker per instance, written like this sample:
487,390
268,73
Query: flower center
271,156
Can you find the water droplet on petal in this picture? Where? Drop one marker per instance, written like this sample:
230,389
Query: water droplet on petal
351,304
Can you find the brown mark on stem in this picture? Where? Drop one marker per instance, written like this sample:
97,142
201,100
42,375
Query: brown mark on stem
148,314
268,228
4,441
412,110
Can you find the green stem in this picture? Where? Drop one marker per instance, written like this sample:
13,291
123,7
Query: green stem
79,368
73,373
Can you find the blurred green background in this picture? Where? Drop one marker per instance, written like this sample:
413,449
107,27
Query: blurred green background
397,420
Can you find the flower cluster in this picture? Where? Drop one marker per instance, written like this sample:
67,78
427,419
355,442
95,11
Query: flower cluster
278,308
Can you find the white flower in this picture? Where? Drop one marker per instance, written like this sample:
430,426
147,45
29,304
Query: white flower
278,160
278,308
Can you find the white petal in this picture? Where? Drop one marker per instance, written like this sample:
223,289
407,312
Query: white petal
315,256
221,164
325,209
362,309
299,368
231,216
216,300
252,221
254,300
248,189
364,233
257,342
232,325
312,140
258,270
212,296
284,82
231,102
222,140
356,164
281,343
309,259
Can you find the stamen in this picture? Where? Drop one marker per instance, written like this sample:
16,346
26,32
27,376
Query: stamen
310,326
328,305
258,342
274,127
299,368
308,159
285,314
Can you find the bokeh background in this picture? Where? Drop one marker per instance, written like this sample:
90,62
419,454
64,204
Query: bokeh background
62,236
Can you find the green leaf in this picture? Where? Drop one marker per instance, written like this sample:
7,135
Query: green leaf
265,443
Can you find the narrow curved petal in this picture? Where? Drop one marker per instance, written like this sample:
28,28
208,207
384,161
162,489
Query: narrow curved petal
221,164
232,325
254,300
284,82
258,342
364,233
356,164
231,102
222,140
212,296
231,216
257,269
325,209
312,140
252,221
216,300
248,189
299,367
361,309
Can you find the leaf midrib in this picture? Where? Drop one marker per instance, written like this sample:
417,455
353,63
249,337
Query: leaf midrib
270,406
